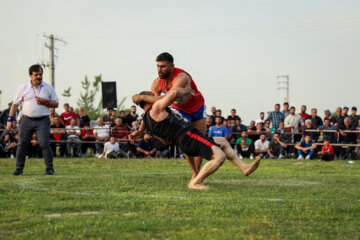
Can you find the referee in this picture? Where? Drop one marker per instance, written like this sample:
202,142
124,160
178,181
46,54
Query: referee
37,97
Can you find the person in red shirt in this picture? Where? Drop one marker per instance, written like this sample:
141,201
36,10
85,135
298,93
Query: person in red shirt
87,134
120,130
327,151
303,113
191,104
68,115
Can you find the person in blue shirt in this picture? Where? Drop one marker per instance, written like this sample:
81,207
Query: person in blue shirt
329,135
218,130
306,148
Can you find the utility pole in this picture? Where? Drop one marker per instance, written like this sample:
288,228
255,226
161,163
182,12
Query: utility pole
286,81
51,63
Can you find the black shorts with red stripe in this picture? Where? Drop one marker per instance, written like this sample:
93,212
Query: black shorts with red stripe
195,144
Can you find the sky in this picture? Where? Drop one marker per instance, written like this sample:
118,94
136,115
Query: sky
234,50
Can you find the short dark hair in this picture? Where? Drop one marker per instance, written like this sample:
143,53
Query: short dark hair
262,113
35,68
233,110
148,93
286,103
165,56
326,139
218,117
218,110
354,108
307,135
277,104
292,107
133,106
346,108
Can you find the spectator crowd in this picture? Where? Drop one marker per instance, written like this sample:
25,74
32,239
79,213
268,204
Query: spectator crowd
280,134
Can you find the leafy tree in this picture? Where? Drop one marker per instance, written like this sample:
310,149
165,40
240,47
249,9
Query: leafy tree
67,92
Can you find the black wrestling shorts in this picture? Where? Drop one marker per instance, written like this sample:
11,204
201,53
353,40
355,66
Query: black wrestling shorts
194,144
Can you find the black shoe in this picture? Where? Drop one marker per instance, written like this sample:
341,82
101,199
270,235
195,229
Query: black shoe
49,172
17,172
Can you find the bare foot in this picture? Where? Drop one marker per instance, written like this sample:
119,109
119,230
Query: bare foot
252,166
198,186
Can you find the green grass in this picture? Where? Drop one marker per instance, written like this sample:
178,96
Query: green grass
149,199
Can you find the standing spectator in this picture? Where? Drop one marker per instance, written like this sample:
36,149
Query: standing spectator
252,124
68,115
328,135
262,146
213,114
327,151
261,119
354,118
293,121
233,115
73,135
347,138
338,117
83,117
120,131
286,111
57,131
340,120
303,113
219,114
52,115
145,147
345,111
245,146
327,115
316,121
107,117
132,116
87,134
218,130
37,97
277,147
101,133
306,148
276,117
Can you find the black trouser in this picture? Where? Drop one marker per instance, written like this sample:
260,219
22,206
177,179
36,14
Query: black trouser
245,154
62,146
26,129
326,156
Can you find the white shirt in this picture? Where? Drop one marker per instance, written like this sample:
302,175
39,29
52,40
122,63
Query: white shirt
259,121
102,131
26,95
108,148
293,121
261,145
77,130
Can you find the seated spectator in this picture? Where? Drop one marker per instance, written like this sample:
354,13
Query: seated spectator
73,134
131,147
87,135
57,133
52,115
162,150
339,118
277,147
346,138
316,121
226,124
327,115
286,110
327,126
327,151
275,117
112,150
284,134
101,133
303,113
8,141
308,126
261,119
107,117
122,115
120,131
134,126
252,124
218,130
145,147
209,123
245,146
262,146
255,132
83,118
34,150
68,115
233,115
306,148
268,128
132,116
238,128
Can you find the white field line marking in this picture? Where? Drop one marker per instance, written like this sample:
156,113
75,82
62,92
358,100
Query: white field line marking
70,214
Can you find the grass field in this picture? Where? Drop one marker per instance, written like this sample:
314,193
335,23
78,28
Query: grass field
149,199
